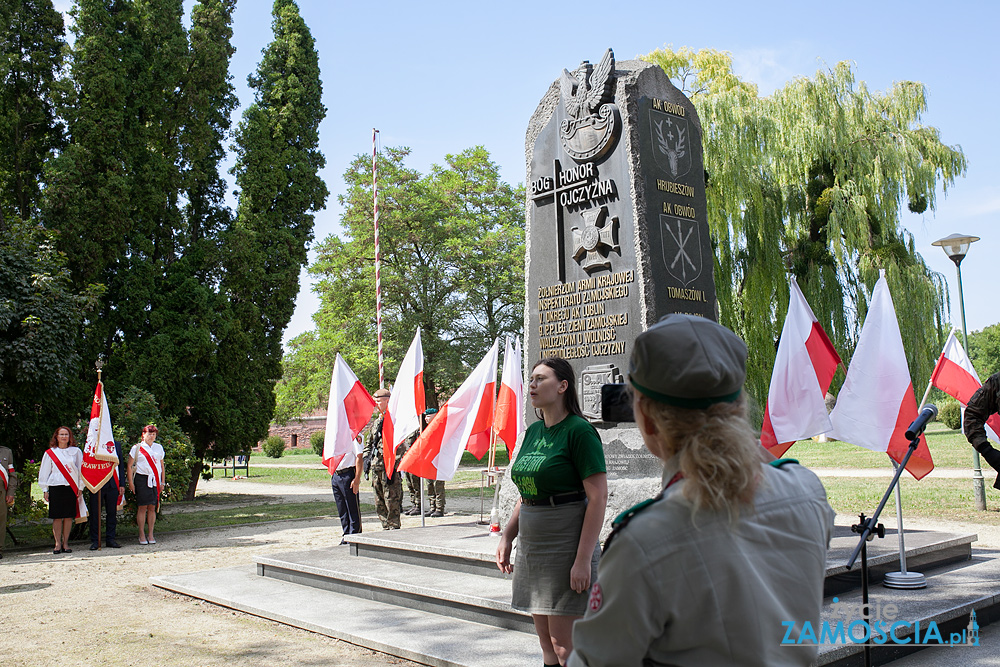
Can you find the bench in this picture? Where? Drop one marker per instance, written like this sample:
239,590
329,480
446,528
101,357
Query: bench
233,463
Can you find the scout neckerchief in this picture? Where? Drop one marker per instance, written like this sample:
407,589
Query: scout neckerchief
65,473
156,472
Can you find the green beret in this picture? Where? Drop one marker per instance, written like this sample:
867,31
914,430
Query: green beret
688,362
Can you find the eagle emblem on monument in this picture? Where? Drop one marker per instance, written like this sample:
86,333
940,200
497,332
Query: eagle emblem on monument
592,121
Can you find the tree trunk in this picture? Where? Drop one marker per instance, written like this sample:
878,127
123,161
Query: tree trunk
193,482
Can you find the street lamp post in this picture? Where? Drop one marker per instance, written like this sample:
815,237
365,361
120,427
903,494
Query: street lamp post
956,247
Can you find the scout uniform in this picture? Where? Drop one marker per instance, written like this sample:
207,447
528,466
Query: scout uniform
8,486
682,587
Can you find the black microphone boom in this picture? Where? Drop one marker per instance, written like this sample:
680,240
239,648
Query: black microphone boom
929,413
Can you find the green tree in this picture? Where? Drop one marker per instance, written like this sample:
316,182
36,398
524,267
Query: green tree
811,181
984,350
31,61
277,165
40,318
452,247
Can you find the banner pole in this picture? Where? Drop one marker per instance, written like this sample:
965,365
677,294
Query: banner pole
378,263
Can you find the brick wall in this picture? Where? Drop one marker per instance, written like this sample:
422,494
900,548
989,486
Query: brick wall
297,431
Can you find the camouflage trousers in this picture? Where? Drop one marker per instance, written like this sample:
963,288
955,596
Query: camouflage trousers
435,495
388,497
413,486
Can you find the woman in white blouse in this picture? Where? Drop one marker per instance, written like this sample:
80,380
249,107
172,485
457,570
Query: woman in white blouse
145,480
61,484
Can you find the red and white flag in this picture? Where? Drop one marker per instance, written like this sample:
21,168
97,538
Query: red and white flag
349,411
955,375
509,421
406,403
100,458
465,416
803,369
876,404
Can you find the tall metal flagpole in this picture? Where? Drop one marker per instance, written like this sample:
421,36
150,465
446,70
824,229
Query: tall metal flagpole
378,263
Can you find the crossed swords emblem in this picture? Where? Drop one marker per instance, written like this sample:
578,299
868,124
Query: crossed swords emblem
681,237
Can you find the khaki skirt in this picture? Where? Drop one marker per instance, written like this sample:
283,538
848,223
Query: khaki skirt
547,541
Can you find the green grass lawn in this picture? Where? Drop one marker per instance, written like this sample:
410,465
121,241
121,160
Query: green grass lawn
948,448
930,498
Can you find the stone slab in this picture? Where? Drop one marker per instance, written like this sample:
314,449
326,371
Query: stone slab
430,639
952,592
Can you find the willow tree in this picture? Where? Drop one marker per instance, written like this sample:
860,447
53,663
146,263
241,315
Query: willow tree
811,181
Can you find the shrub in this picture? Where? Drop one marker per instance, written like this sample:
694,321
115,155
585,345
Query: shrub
274,446
316,439
950,414
136,408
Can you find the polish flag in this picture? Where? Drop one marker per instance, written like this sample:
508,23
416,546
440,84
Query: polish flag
100,459
509,421
466,415
954,375
876,404
803,370
349,411
406,403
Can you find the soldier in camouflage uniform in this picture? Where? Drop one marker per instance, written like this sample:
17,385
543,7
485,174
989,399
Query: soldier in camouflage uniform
388,492
412,481
435,487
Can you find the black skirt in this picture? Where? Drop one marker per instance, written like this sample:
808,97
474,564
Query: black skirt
62,502
144,493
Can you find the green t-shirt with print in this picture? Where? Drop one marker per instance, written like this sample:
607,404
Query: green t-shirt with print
556,460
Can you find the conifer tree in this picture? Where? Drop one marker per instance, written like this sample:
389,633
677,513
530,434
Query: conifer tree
279,188
31,62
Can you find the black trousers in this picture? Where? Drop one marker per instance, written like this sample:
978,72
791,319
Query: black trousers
347,501
109,503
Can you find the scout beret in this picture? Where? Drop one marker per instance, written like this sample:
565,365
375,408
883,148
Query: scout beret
688,362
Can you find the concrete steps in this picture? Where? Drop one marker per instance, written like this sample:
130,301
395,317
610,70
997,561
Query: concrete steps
434,595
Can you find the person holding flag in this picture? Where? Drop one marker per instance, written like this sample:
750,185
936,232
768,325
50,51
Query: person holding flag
110,496
62,486
145,480
349,410
982,406
388,490
8,479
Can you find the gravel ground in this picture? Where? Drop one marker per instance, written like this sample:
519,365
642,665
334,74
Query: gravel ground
47,616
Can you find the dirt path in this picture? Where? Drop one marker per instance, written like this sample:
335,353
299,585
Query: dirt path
47,616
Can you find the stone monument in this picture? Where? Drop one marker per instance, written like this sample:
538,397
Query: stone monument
617,237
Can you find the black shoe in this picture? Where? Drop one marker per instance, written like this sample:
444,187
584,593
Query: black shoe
343,542
1,555
93,547
437,513
57,551
67,551
114,544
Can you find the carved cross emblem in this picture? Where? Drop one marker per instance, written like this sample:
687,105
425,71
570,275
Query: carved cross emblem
598,238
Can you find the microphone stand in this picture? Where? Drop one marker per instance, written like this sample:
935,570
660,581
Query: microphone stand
868,529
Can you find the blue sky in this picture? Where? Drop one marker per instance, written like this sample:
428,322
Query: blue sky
440,77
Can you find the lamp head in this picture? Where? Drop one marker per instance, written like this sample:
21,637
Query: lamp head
956,246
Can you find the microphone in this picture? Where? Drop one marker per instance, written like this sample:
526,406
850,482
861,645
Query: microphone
929,412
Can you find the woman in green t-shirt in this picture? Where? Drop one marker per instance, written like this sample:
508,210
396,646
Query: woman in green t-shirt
562,480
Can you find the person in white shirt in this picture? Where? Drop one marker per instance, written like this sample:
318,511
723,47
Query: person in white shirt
145,480
61,484
345,482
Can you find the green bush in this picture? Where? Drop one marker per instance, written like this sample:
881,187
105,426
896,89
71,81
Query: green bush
274,446
316,439
950,413
130,414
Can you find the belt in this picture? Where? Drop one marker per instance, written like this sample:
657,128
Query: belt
561,499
